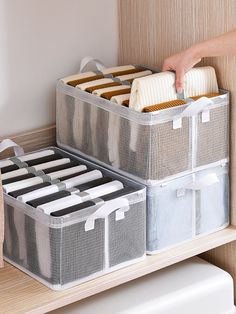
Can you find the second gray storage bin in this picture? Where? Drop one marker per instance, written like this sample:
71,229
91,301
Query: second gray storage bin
182,209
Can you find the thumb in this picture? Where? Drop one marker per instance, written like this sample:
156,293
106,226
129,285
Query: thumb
179,80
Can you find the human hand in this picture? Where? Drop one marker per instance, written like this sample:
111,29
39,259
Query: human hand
181,63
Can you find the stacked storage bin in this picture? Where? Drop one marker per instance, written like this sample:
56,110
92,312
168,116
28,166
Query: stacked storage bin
179,153
67,220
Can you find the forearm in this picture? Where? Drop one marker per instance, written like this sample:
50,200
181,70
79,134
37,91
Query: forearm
223,45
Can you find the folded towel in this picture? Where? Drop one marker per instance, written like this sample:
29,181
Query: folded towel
164,105
152,89
126,102
98,82
79,78
100,92
118,69
209,95
200,81
93,88
120,99
134,75
109,95
174,103
160,87
85,80
135,70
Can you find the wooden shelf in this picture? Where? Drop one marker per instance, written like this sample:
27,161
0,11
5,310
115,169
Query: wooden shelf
19,293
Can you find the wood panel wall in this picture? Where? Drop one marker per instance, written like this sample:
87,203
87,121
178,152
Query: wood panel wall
151,30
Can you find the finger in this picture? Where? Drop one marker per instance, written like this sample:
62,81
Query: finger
166,67
179,81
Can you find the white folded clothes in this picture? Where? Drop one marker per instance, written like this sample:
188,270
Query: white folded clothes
66,184
118,69
200,81
78,76
160,87
101,81
75,199
99,92
152,89
134,75
40,154
119,99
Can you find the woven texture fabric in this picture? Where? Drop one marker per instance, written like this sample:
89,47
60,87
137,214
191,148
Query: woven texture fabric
149,152
66,254
173,219
213,137
126,242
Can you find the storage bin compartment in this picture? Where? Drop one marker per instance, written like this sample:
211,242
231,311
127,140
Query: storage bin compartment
145,146
66,250
187,207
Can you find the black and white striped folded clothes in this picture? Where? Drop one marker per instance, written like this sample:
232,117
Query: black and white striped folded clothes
40,178
35,168
81,206
70,174
60,194
15,163
81,197
62,185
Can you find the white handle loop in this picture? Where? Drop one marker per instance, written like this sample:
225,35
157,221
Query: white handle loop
206,181
121,205
86,60
7,143
193,109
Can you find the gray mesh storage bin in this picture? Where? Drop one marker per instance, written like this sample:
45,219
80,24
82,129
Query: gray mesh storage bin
146,146
187,207
64,251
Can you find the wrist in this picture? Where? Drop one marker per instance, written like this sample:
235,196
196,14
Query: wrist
196,52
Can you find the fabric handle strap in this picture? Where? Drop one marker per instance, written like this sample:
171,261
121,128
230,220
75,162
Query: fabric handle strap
87,60
120,205
193,109
7,143
200,184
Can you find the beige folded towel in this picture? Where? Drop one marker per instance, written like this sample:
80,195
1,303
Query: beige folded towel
78,76
160,87
84,86
99,92
134,75
119,99
118,69
200,81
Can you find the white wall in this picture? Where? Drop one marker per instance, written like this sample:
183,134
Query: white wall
42,40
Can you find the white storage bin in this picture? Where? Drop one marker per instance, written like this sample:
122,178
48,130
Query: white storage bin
187,207
63,251
190,287
146,146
